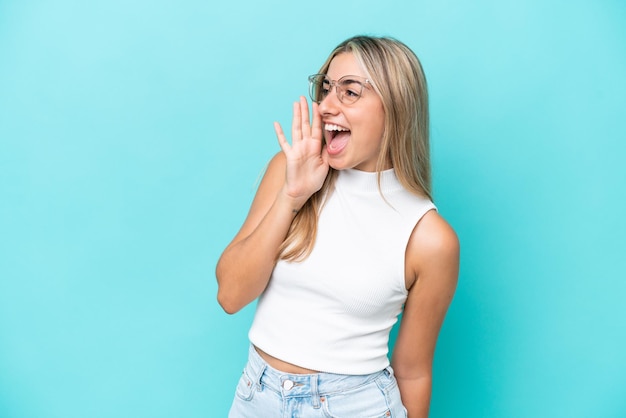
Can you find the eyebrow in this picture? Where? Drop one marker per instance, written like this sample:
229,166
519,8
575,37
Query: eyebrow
349,80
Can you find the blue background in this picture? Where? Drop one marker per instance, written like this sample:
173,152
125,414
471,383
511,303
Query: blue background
132,138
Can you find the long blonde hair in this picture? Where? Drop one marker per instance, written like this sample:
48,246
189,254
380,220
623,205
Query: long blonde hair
398,78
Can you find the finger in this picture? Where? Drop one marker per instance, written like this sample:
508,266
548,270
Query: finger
296,123
304,117
282,140
324,154
316,130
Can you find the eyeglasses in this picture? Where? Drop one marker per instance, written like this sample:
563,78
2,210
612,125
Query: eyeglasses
349,88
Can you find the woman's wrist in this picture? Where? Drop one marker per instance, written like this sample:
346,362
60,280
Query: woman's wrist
294,204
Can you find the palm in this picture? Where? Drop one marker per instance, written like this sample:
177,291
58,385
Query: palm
307,162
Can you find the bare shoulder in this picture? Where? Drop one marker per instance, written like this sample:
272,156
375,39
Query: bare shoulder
276,166
433,248
272,180
434,234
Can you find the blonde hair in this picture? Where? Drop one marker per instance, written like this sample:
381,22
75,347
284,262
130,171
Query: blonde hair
398,78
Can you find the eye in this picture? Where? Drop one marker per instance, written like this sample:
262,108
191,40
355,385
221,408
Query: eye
352,89
351,93
319,87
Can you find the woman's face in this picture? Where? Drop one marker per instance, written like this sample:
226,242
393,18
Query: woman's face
353,132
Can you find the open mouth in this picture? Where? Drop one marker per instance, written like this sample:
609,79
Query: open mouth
336,137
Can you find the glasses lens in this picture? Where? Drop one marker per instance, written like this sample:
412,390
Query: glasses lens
318,87
350,90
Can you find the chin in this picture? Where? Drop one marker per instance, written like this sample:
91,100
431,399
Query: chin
339,164
338,167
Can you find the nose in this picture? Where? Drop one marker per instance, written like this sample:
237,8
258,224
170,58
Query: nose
330,104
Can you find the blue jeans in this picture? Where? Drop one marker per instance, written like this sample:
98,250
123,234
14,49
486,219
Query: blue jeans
265,392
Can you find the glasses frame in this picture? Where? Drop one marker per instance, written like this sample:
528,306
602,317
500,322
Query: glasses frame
339,90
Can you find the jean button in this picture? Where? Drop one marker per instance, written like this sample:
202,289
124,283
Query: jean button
288,384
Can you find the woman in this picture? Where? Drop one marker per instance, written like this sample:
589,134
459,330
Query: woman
341,238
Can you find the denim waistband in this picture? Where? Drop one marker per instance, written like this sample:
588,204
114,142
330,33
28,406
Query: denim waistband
299,385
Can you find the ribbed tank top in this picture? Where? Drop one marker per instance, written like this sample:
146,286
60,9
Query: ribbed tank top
334,310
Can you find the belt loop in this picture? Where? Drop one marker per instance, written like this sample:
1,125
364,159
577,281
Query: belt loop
314,390
257,373
257,378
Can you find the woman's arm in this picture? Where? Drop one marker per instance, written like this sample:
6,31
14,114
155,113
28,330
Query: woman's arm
432,264
245,267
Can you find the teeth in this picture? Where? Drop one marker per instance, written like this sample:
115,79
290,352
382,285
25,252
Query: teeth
331,127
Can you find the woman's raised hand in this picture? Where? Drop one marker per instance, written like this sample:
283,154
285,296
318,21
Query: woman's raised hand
307,158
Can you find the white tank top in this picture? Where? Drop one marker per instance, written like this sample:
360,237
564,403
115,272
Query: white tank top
333,311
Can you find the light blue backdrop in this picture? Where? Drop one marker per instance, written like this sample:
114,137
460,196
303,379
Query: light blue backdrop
132,135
